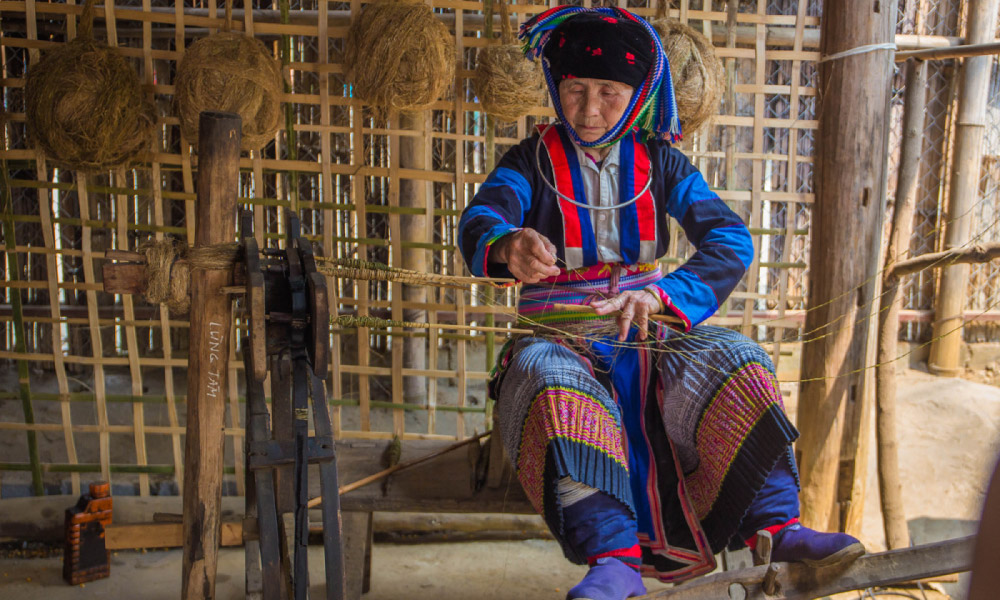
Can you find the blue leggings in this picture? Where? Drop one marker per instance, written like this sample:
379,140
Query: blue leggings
776,503
602,524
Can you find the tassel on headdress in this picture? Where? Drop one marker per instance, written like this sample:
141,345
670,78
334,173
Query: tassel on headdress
652,107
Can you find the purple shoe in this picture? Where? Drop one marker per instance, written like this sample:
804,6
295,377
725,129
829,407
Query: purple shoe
608,579
796,543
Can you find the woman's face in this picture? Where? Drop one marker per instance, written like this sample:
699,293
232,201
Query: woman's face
593,106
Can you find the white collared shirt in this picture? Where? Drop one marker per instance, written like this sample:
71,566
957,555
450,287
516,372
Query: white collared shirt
600,184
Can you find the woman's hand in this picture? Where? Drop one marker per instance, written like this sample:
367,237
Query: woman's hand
635,306
529,255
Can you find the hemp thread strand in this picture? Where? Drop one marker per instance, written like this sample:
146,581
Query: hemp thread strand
350,268
169,265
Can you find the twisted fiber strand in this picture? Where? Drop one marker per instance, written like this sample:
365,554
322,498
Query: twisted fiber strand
375,271
377,323
168,278
349,321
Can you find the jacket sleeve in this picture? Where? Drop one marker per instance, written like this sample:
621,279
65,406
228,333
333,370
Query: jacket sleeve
724,248
498,209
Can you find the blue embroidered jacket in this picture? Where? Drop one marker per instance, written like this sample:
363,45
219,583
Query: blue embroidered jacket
514,196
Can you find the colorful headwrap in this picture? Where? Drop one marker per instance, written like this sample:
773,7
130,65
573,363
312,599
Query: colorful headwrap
652,107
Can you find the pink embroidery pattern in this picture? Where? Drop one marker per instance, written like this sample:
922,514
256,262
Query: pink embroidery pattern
734,411
571,415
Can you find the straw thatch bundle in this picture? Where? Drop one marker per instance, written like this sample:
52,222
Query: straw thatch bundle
230,72
84,105
507,84
696,71
399,56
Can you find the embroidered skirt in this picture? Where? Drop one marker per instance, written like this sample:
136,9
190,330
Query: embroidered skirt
683,430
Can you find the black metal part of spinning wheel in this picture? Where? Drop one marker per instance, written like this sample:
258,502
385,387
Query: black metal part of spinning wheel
298,331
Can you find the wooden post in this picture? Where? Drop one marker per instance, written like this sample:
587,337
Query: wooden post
846,234
974,79
211,319
985,578
413,153
890,489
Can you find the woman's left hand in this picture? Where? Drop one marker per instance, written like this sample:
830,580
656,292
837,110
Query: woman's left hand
635,306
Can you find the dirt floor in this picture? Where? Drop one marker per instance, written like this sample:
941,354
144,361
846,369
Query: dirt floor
949,440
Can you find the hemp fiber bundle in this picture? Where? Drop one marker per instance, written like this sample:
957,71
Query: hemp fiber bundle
696,71
508,85
84,104
230,72
399,56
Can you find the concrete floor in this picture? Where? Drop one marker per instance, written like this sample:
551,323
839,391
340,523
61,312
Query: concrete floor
481,570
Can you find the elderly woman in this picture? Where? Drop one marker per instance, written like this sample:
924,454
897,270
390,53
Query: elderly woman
646,448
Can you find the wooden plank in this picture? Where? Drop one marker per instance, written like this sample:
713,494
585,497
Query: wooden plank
357,552
219,143
163,535
799,582
443,484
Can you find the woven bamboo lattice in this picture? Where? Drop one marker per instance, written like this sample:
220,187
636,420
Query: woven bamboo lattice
94,386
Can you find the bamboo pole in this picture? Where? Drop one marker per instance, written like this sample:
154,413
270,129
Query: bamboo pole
890,489
971,123
847,214
211,321
23,374
965,51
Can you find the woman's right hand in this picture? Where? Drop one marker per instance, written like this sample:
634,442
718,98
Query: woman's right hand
529,255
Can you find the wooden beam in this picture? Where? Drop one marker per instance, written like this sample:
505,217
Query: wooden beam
394,528
964,194
218,168
162,535
963,51
799,582
850,185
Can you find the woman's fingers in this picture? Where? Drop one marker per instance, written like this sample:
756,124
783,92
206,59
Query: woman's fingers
635,307
539,250
531,256
625,319
608,305
642,322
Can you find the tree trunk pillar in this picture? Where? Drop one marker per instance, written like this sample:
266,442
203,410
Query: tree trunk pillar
413,194
846,236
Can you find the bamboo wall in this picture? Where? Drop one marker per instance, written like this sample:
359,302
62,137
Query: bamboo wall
982,311
93,384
